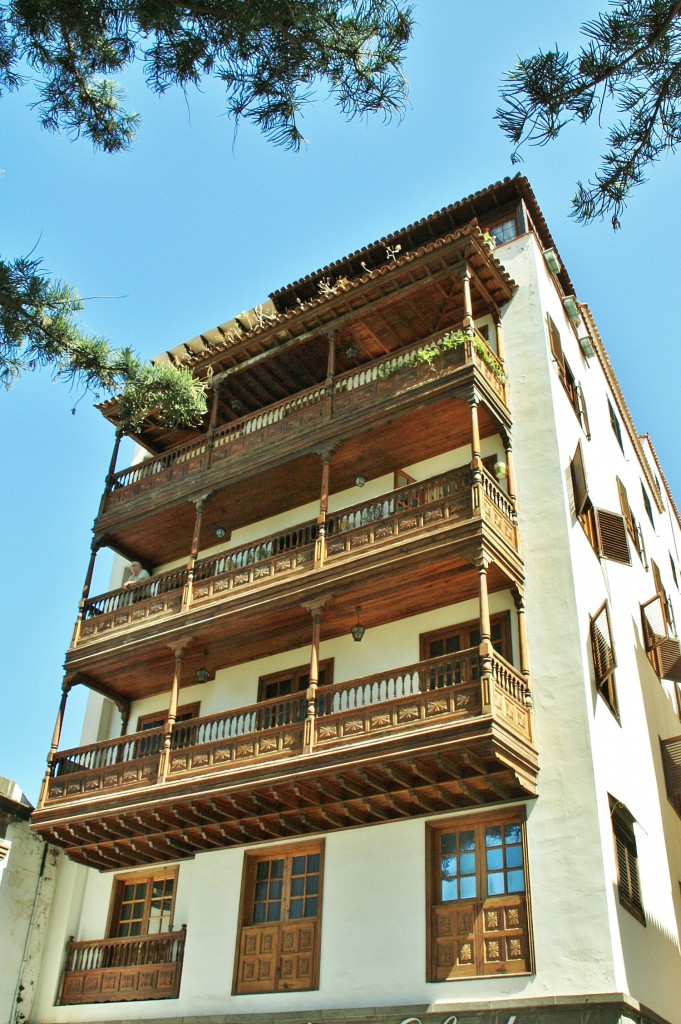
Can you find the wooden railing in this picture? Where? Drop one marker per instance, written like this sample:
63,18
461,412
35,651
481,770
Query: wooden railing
386,372
448,496
116,970
448,687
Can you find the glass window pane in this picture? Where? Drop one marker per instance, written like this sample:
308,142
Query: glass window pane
298,867
262,870
468,887
495,884
296,909
516,881
514,856
277,869
313,863
312,887
127,892
467,841
297,886
275,890
512,834
467,863
273,911
259,913
495,859
450,890
261,891
311,907
493,835
448,866
448,842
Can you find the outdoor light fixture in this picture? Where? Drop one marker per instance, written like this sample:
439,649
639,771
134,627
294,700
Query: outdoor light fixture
352,351
220,532
202,674
500,470
237,406
552,261
360,480
358,630
572,308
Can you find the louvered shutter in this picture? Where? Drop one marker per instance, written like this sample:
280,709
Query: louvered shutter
612,536
602,646
581,410
579,481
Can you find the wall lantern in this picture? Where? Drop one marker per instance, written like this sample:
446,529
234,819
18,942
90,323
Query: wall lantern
358,630
572,308
552,261
220,532
202,674
360,480
500,470
352,351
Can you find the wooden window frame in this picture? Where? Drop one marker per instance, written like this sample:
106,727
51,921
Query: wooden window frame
184,713
615,424
402,479
149,876
501,619
511,216
604,667
626,861
295,673
647,504
486,911
571,386
246,904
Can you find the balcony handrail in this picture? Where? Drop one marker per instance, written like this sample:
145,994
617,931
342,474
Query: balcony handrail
257,551
376,369
277,712
153,587
496,495
135,950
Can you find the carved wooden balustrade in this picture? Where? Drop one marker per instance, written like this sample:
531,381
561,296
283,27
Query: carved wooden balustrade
417,696
294,415
116,970
449,496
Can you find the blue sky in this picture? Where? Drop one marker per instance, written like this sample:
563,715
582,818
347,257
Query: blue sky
193,226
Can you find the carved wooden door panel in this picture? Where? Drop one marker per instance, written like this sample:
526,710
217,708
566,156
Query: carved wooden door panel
279,940
479,911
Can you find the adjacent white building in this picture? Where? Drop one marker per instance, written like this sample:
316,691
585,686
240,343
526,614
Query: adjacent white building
391,729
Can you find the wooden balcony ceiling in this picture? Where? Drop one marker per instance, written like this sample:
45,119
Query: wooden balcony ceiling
410,580
159,537
471,763
379,312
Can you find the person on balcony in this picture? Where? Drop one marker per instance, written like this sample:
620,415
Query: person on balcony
137,575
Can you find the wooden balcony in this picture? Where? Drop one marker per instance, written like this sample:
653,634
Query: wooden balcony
120,970
401,516
353,403
428,737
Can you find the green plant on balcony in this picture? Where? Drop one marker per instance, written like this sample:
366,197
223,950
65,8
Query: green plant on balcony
452,340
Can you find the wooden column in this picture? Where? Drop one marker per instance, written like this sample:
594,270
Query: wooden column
476,461
54,746
482,564
519,598
468,322
330,371
200,505
164,761
500,337
315,609
94,548
320,547
213,421
123,706
108,485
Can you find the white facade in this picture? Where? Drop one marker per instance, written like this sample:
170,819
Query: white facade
588,949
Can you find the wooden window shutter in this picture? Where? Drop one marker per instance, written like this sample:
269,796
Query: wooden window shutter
628,885
624,501
612,536
554,341
601,645
579,481
581,410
